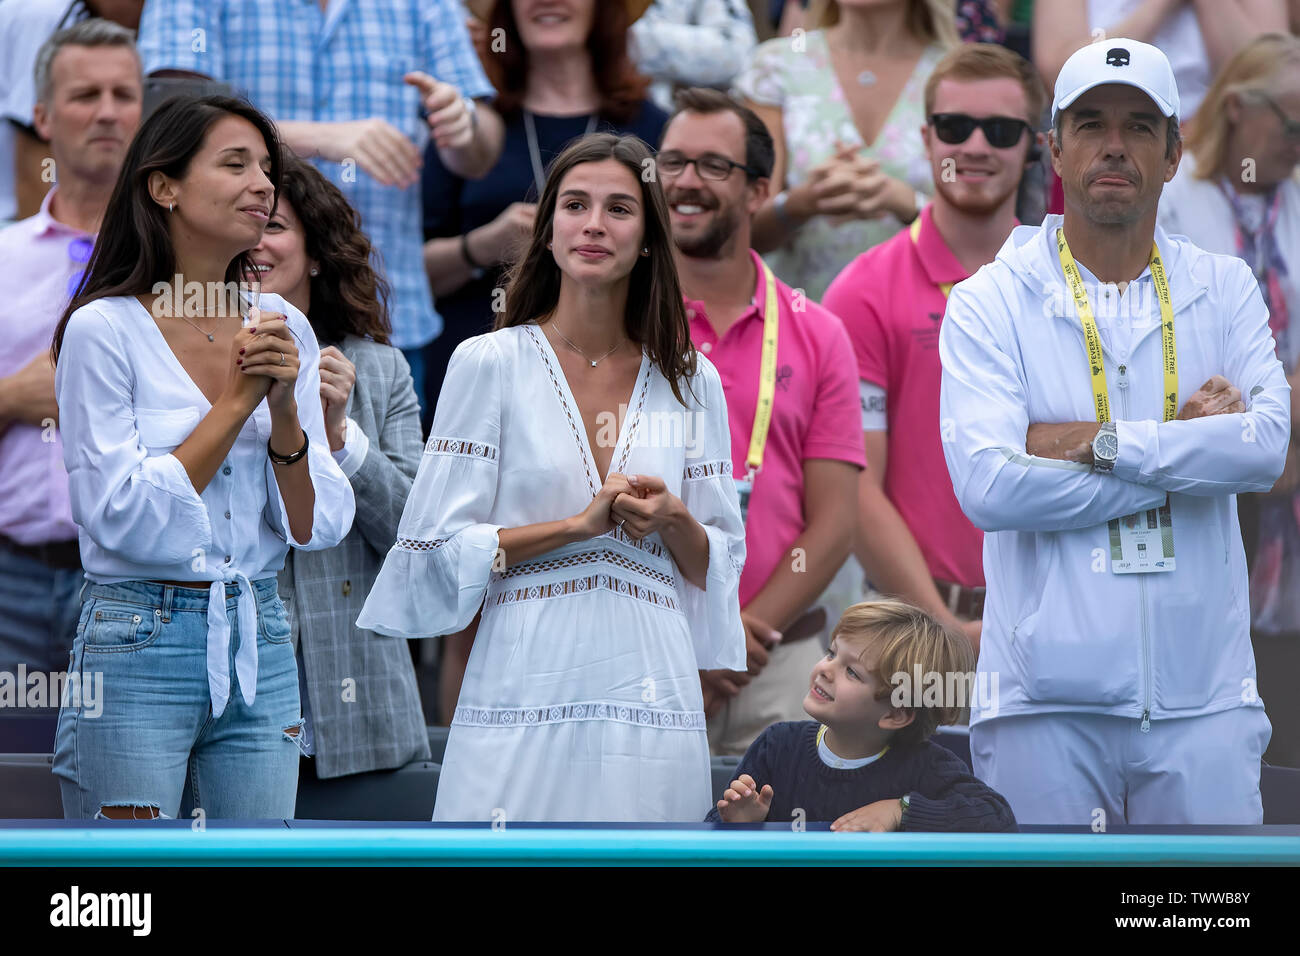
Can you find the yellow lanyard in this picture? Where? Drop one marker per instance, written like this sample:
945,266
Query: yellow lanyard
915,232
766,376
1100,394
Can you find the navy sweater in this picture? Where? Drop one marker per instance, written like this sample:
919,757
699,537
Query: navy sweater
942,793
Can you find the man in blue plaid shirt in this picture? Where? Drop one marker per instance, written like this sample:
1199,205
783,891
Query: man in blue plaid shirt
345,81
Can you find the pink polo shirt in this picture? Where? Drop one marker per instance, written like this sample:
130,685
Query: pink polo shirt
815,413
891,304
34,507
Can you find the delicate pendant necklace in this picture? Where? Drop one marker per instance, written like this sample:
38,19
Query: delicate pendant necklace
594,362
211,335
866,78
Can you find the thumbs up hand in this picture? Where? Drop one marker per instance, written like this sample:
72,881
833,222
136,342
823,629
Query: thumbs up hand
451,116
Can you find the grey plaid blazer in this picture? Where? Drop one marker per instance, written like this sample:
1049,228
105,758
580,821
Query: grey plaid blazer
360,686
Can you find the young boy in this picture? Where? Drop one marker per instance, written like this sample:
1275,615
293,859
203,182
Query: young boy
862,762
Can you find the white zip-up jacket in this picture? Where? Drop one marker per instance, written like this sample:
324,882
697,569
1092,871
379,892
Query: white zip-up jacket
1061,631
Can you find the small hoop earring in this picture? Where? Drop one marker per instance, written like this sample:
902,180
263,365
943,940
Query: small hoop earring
171,207
645,250
548,245
315,272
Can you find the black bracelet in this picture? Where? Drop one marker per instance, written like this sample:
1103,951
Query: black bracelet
287,459
476,271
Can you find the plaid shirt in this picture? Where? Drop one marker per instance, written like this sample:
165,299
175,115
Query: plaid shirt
297,62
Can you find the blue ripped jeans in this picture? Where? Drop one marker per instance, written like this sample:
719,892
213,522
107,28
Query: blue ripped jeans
144,645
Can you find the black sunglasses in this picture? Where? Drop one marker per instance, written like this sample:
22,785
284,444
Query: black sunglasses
1002,132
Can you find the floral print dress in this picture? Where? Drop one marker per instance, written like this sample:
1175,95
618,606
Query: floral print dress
795,73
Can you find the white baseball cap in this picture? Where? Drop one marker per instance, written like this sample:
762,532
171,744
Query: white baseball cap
1117,60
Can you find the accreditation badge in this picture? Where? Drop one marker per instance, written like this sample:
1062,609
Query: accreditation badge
1143,543
744,486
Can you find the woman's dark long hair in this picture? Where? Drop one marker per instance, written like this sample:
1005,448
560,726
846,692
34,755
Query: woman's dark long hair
655,316
348,297
622,88
133,250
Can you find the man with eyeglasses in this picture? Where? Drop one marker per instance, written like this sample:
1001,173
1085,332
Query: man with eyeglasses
1108,389
787,372
913,540
88,95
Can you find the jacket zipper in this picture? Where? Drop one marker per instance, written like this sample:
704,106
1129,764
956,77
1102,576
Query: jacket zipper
1142,596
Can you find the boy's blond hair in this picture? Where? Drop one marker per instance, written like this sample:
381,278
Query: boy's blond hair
908,640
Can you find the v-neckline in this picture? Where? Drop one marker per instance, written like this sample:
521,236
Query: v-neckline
570,404
848,106
171,354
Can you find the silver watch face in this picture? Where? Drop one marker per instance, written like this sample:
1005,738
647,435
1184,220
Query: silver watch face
1106,446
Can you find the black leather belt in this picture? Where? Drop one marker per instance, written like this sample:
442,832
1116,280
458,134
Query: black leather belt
62,555
962,601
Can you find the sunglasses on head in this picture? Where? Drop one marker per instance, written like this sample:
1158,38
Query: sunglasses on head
1002,132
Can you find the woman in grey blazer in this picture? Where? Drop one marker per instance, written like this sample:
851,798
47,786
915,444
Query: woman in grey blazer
358,688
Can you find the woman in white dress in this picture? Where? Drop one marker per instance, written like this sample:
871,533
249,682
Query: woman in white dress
577,486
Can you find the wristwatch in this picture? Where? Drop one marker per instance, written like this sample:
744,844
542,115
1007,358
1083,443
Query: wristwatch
1105,448
905,801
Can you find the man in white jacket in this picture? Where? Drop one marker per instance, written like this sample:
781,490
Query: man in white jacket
1107,390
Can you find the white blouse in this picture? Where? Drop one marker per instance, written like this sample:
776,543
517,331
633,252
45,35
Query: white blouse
125,404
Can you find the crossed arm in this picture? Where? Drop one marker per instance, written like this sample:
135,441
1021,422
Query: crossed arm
1014,474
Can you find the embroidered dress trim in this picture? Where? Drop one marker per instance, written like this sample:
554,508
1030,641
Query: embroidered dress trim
466,449
415,544
706,469
589,557
559,393
645,544
590,582
586,710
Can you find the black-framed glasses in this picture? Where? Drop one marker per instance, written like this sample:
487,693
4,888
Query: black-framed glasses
709,166
1002,132
1290,127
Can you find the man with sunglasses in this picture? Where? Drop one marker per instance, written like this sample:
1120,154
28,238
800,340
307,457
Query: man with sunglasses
796,468
88,95
913,539
1108,389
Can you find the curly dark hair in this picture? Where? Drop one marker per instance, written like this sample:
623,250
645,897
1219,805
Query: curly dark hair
349,296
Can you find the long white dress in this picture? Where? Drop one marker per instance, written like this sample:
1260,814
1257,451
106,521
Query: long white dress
581,699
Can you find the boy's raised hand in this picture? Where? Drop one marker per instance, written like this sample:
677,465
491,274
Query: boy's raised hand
743,802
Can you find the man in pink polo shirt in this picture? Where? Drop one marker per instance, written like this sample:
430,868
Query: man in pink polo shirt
798,495
89,90
983,103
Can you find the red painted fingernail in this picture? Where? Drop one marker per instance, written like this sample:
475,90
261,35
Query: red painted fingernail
241,351
239,361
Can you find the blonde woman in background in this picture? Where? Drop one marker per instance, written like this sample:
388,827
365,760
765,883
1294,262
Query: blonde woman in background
1236,193
845,103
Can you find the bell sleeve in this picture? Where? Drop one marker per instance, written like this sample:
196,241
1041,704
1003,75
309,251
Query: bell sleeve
709,493
436,574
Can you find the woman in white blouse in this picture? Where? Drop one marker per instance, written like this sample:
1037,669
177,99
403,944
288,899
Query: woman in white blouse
196,455
577,485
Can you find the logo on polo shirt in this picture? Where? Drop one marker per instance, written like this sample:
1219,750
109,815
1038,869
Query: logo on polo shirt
1117,56
783,376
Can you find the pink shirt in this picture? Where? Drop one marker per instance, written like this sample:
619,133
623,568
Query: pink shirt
815,413
890,301
34,507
